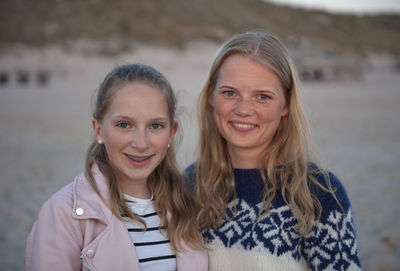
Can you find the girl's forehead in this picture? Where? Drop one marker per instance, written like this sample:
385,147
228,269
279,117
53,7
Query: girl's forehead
138,100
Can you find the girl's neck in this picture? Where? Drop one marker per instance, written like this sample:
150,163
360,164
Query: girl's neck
136,189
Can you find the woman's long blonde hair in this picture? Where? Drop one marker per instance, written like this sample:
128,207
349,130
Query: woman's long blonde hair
170,196
290,148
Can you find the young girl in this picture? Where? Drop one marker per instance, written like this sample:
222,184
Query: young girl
129,210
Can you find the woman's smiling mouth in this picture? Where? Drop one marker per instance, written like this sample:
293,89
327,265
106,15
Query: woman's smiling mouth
242,126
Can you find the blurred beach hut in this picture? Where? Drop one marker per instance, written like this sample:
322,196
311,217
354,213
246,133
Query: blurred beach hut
318,64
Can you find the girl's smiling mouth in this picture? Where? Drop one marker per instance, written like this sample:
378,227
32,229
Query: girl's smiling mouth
139,160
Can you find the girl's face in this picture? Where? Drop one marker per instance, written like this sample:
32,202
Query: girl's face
248,102
136,130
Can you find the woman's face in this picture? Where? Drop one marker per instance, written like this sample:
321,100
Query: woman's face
136,130
248,102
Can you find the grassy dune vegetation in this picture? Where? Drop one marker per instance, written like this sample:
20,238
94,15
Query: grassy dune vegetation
174,22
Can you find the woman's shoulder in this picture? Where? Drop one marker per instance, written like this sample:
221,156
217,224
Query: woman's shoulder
189,176
190,171
335,232
329,190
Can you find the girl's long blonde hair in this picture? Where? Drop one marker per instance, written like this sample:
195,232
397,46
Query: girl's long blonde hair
290,148
170,196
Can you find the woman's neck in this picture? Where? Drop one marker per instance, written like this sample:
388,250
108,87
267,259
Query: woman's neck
244,158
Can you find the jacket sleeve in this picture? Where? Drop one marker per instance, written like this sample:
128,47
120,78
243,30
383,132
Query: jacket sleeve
332,243
192,259
55,241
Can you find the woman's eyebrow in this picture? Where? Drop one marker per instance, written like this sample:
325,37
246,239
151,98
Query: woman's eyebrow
261,91
272,92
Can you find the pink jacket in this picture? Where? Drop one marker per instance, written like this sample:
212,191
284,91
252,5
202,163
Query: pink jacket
76,231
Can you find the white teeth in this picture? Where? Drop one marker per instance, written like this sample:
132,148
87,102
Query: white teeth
243,126
138,159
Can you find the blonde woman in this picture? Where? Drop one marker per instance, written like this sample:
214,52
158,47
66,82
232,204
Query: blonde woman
264,203
129,210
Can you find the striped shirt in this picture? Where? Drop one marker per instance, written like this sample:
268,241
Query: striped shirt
152,246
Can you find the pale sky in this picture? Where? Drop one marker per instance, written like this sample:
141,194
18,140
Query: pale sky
347,6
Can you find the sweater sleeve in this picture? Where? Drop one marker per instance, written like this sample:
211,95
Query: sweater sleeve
54,242
332,243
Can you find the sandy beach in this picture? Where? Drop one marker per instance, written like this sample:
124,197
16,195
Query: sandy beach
46,128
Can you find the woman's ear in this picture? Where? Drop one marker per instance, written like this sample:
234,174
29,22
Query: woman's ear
285,110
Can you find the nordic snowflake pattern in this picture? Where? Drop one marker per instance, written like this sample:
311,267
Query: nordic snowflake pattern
330,246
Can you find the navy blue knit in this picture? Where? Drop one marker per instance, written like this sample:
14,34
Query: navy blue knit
331,245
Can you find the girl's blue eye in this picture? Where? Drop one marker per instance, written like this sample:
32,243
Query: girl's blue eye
123,125
156,126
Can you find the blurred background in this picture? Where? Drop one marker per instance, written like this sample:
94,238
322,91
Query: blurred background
53,55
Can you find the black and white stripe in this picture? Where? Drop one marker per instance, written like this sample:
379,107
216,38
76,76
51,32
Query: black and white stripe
152,245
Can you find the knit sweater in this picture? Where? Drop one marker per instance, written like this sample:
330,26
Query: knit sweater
270,242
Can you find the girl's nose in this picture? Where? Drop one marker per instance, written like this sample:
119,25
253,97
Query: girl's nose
140,141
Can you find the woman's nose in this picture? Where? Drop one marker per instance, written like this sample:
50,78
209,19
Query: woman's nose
244,107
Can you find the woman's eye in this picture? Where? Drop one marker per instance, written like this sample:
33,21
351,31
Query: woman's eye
156,126
229,93
123,125
263,97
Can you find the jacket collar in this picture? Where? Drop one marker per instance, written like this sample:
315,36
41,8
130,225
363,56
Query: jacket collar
87,203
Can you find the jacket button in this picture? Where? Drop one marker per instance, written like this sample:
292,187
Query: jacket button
90,253
79,211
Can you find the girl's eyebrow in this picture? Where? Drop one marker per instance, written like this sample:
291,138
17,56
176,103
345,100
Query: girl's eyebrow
123,117
226,86
161,119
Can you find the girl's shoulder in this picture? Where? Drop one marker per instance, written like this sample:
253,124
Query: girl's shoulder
62,198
